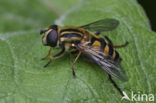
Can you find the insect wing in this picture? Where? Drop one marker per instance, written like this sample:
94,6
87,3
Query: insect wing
110,67
102,25
107,64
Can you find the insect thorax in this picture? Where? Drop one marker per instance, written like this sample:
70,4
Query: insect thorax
72,36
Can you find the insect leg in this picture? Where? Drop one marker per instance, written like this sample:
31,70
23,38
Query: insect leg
115,85
47,54
122,45
55,56
75,62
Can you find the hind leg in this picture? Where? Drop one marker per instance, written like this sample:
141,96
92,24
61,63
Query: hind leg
122,45
115,85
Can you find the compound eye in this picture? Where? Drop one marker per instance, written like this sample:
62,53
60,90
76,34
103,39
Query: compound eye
52,38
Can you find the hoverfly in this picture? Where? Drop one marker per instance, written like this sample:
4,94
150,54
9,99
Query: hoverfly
100,51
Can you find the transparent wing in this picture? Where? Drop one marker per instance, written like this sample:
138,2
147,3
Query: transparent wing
102,25
110,66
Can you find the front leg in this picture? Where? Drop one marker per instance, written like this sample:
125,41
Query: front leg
47,54
55,56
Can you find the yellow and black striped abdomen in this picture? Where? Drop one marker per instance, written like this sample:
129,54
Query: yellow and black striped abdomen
105,49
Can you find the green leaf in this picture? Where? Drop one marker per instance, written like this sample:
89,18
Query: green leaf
22,76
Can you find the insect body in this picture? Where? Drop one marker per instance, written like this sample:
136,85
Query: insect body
105,56
100,51
68,37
